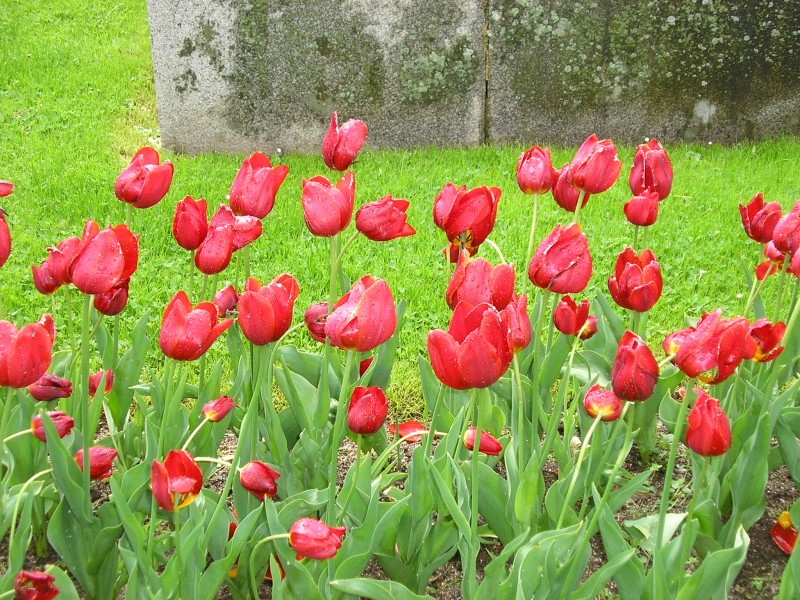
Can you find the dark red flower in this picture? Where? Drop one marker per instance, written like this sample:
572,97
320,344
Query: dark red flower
186,331
589,329
265,312
145,181
226,300
562,262
642,210
759,219
190,223
256,184
488,444
476,281
96,378
314,318
786,234
651,170
768,337
342,144
535,173
519,324
410,430
636,283
50,387
26,353
784,533
603,403
709,432
100,461
565,195
113,301
218,409
259,479
328,208
364,318
34,585
569,317
635,371
384,219
61,421
367,410
177,482
595,166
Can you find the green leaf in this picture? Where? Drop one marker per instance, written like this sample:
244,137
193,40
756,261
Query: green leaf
64,584
67,475
376,590
492,499
717,572
68,536
630,580
127,373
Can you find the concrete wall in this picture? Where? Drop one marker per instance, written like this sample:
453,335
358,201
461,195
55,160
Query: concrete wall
259,74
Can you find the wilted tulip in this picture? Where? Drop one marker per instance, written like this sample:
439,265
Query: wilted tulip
100,461
636,283
113,301
145,181
410,430
535,174
562,262
218,409
602,403
595,166
709,432
458,211
784,533
62,422
651,170
569,317
96,378
364,317
565,195
259,479
265,312
476,281
475,351
5,239
635,371
190,223
642,210
104,259
384,220
50,387
327,208
186,331
768,336
226,300
177,482
367,410
35,585
25,354
759,219
342,144
488,444
256,184
786,234
314,318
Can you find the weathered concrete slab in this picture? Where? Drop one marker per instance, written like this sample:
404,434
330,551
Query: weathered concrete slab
267,74
710,70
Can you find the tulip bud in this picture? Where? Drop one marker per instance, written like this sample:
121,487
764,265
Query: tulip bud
62,422
265,312
50,387
187,331
259,479
535,174
342,144
651,169
96,378
410,430
190,223
519,324
603,403
635,371
314,539
759,219
564,193
100,461
5,239
113,301
595,166
256,184
35,585
144,182
384,220
314,318
488,444
636,283
570,318
25,354
562,262
367,411
784,533
642,210
225,300
218,409
328,208
709,432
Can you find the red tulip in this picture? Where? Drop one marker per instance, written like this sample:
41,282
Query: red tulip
535,173
589,329
62,422
144,182
96,378
315,317
259,479
759,219
457,211
709,432
476,281
564,193
488,444
54,272
364,317
786,234
226,300
783,533
34,585
186,331
642,210
364,365
218,409
651,170
562,262
384,219
367,410
569,317
636,283
243,229
314,539
100,461
190,223
177,482
25,354
519,324
6,188
595,166
255,186
773,264
410,430
342,144
768,336
328,208
635,371
603,403
104,259
50,387
215,251
475,351
5,239
113,301
265,312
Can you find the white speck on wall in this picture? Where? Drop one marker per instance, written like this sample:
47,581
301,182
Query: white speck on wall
704,111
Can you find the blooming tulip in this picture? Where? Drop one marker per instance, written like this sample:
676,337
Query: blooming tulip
177,482
602,403
786,234
595,166
259,479
367,410
519,324
327,208
25,354
113,301
314,318
364,317
476,281
569,317
565,195
6,188
145,181
62,422
642,210
96,378
50,387
384,219
709,432
562,262
768,336
589,329
651,170
186,331
314,539
243,229
226,300
636,283
635,371
100,461
759,219
265,312
190,223
54,272
476,349
535,174
218,409
215,251
488,444
784,533
5,239
342,144
35,585
458,211
410,430
104,259
255,186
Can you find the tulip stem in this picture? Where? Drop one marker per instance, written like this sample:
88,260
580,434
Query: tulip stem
6,413
531,238
216,461
337,432
205,287
16,435
431,433
578,207
191,274
333,284
755,289
782,276
537,340
519,427
20,496
194,433
635,237
255,582
496,249
86,435
577,470
475,542
347,244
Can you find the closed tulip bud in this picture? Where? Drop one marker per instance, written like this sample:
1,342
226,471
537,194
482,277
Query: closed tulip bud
384,220
215,251
190,223
636,283
595,166
784,533
488,444
364,318
104,259
709,432
519,324
471,213
177,482
410,430
113,301
5,239
35,585
328,208
562,262
342,144
759,219
635,371
569,317
314,318
602,403
786,234
564,193
54,272
25,354
187,331
535,174
310,538
95,379
218,409
226,300
367,410
100,461
768,337
256,184
651,169
259,479
145,181
6,188
265,312
50,387
642,210
476,281
62,422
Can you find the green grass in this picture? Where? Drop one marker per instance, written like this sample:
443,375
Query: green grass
77,100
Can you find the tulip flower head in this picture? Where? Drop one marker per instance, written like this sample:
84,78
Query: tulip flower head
709,432
145,181
187,331
342,144
259,479
535,173
519,324
256,184
367,410
265,312
410,430
328,208
364,365
384,220
190,223
784,533
100,461
562,262
642,210
50,387
314,318
54,272
35,585
488,444
5,239
218,409
25,354
311,538
636,283
651,170
467,214
786,234
62,422
596,165
564,193
768,337
226,300
569,317
6,188
476,281
635,371
96,378
602,403
364,318
177,482
104,258
759,218
113,301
